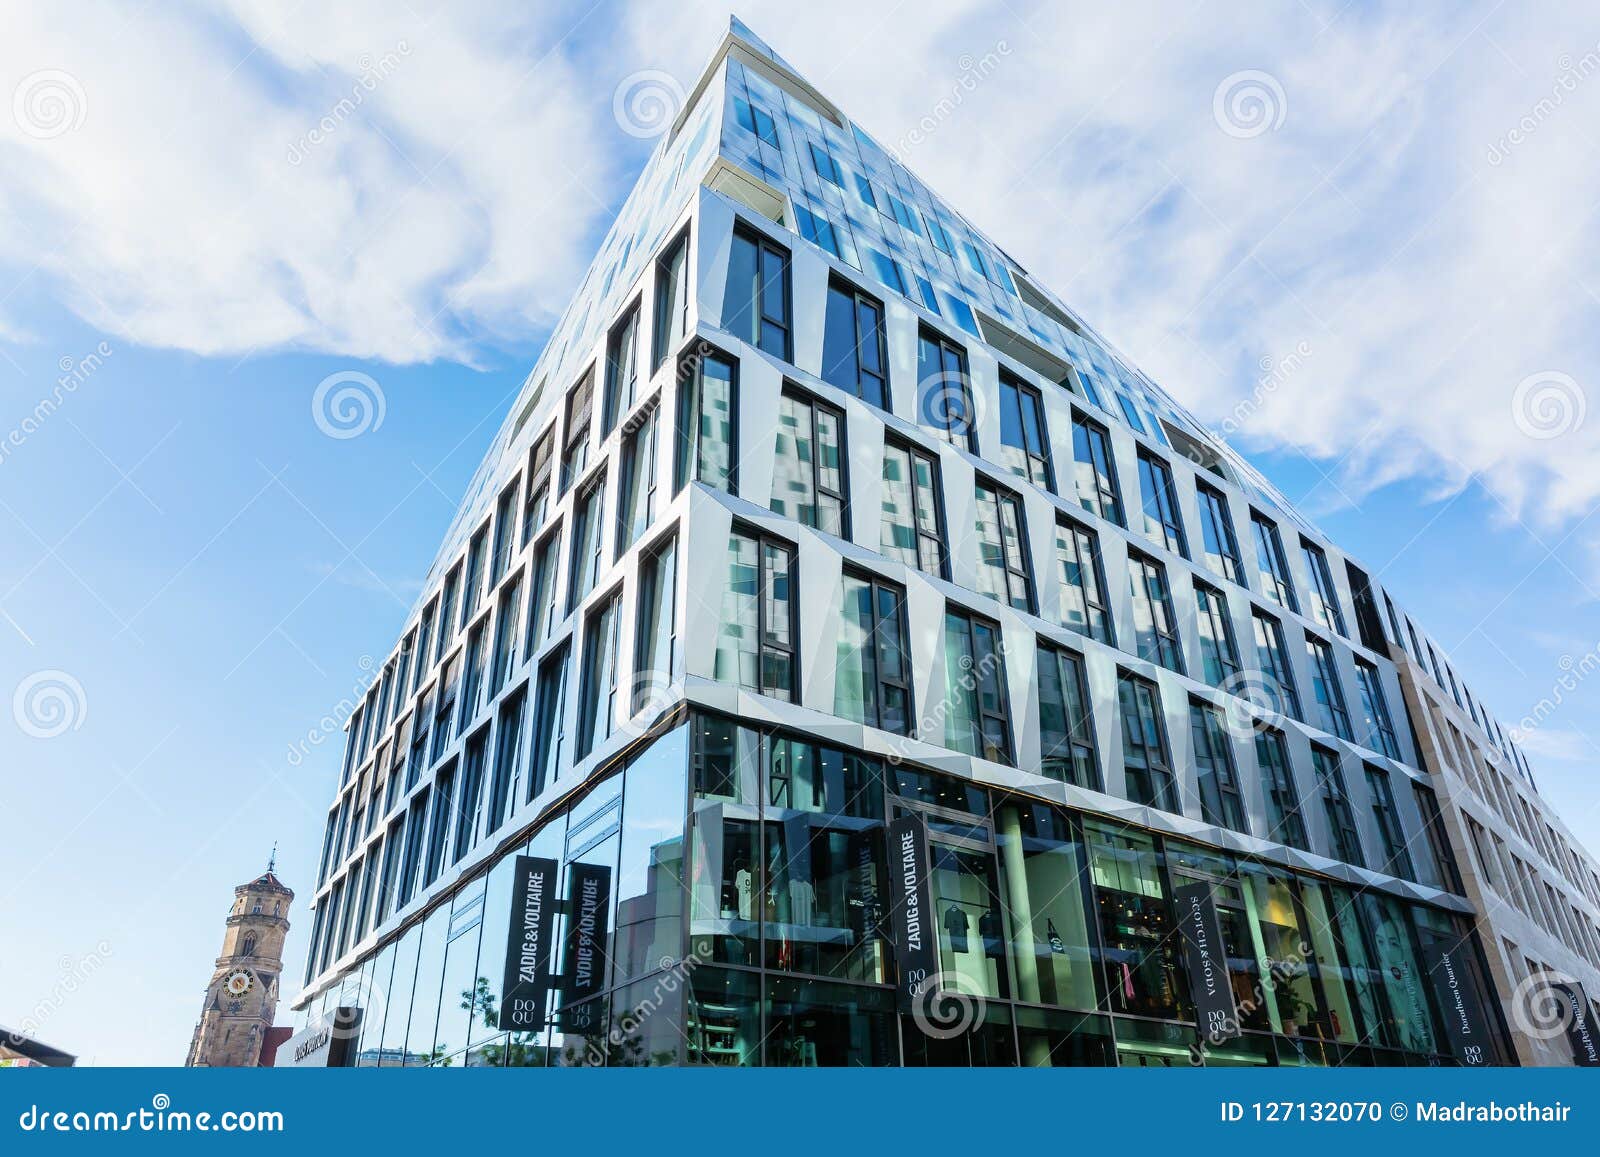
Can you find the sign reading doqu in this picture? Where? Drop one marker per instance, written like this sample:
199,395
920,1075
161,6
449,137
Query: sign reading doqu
916,947
1207,963
588,920
530,946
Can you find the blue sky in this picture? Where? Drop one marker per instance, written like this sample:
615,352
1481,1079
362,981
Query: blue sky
210,567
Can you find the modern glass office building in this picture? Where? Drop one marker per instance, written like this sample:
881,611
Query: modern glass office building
844,656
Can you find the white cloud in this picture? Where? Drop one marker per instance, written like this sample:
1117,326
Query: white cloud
194,206
1571,746
1427,277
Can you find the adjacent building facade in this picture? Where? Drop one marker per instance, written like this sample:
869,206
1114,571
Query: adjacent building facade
235,1029
845,657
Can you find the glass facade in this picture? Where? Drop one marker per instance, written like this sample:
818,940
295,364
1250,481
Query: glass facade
742,883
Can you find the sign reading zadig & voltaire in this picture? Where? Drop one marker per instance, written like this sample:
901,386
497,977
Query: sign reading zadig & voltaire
911,909
530,947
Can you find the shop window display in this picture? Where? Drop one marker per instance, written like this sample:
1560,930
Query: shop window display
1042,863
1138,942
1189,864
990,1042
812,1023
1049,1038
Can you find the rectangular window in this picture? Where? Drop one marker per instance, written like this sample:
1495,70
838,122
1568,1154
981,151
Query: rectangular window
477,757
597,689
1343,835
808,479
755,119
1218,778
817,229
1324,599
873,666
1332,713
472,592
978,721
1095,471
472,682
575,450
1084,605
755,646
447,624
944,390
756,307
671,299
1273,564
637,486
1066,726
1155,626
507,752
1380,728
707,407
550,724
445,712
913,515
1219,654
1444,859
656,640
588,541
1144,744
425,643
541,460
1272,654
505,532
1284,822
439,826
1003,571
1216,527
1162,524
855,354
542,605
827,168
1024,441
622,371
388,878
1396,854
506,637
416,832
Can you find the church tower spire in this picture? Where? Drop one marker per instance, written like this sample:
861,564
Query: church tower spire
241,1001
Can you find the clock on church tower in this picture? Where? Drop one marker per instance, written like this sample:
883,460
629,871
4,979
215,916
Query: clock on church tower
241,1001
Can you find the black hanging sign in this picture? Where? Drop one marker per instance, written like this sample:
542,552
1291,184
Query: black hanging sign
530,947
1466,1026
588,922
916,945
1206,959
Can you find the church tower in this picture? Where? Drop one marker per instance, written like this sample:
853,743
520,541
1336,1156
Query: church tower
242,999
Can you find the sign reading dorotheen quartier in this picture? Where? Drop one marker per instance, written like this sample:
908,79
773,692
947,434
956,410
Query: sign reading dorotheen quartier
531,945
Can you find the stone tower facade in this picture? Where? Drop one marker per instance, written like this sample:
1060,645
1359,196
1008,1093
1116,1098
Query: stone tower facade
242,998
